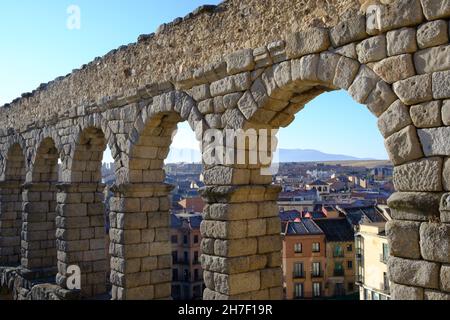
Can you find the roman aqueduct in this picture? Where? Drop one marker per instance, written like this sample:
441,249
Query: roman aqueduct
242,64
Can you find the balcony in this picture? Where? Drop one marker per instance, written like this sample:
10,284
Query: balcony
317,274
299,275
339,273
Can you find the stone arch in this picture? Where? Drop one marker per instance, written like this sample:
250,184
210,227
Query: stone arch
140,206
284,88
92,134
11,204
38,245
81,222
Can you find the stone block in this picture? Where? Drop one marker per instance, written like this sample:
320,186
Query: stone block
395,68
445,278
348,51
424,175
432,34
414,90
346,71
446,174
271,278
435,141
403,239
441,85
229,212
401,41
426,115
401,292
414,272
224,230
436,295
307,42
434,9
432,59
237,283
395,15
269,244
364,83
435,242
240,61
380,98
372,49
347,31
327,67
417,206
446,112
404,146
395,118
235,248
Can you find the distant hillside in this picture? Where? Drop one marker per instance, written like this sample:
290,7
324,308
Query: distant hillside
285,155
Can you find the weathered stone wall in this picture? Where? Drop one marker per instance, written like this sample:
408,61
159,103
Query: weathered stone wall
182,45
393,59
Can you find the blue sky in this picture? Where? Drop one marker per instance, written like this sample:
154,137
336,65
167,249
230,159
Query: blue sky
37,47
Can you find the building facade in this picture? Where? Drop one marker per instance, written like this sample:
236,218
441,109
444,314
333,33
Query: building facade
372,253
304,260
187,275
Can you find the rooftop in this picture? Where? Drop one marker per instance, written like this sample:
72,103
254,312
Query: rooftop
336,230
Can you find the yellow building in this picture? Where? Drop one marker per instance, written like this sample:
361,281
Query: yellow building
372,252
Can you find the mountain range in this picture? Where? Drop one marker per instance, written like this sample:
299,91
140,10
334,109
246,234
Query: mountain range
285,155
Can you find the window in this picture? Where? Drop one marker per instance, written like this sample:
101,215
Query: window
385,252
350,265
317,289
298,291
176,292
185,239
196,257
175,256
186,275
186,257
349,248
316,270
298,248
174,239
175,274
196,277
338,252
316,247
298,270
339,269
195,239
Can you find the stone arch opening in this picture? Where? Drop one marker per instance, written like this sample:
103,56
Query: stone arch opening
82,223
39,212
140,208
11,206
339,273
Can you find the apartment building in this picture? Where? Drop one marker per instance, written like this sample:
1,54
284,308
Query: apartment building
372,253
187,274
304,259
340,253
